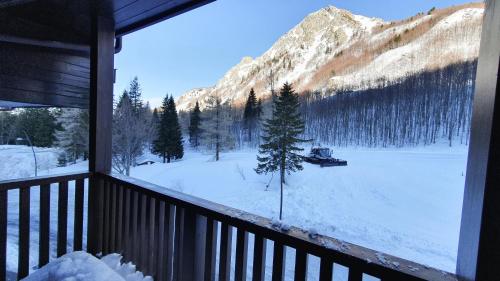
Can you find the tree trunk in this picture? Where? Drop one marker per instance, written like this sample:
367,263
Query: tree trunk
282,181
217,148
164,157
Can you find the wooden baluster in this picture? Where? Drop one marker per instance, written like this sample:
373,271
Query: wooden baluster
190,256
199,247
78,222
211,249
259,258
177,243
279,257
355,274
127,217
44,228
152,239
112,218
24,232
325,269
107,214
160,263
143,250
300,265
226,240
3,233
119,223
240,273
170,211
134,228
62,219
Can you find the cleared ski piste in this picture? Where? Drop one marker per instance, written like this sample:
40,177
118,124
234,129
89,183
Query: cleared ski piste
401,201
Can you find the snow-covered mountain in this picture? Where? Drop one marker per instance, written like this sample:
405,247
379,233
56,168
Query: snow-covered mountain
335,49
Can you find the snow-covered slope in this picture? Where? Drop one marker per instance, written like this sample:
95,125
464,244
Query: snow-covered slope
333,48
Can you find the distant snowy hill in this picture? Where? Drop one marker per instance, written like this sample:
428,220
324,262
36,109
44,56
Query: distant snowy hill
335,49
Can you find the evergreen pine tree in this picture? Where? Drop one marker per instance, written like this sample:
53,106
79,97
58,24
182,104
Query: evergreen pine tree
155,122
250,114
168,143
175,146
258,110
8,127
156,117
279,151
72,136
135,94
159,144
194,126
39,124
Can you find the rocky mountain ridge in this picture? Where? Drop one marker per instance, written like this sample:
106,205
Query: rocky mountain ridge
334,49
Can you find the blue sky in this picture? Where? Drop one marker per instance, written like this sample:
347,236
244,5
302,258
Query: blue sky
196,49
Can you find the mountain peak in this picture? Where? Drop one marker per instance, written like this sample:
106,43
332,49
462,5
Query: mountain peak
333,48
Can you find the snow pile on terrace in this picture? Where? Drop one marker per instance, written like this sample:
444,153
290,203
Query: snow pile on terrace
126,270
83,266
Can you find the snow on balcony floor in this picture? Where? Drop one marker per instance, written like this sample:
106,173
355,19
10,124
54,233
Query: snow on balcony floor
85,267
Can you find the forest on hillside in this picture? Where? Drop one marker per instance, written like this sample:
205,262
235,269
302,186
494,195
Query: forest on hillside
419,109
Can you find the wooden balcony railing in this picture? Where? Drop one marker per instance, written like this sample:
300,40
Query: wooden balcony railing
44,185
174,236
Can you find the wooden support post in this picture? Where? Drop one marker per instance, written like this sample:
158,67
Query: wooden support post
101,94
100,118
479,246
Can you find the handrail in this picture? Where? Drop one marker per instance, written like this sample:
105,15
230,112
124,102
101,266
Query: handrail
372,262
34,181
58,183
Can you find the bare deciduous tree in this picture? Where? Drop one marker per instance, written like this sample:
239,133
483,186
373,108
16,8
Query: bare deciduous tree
216,126
130,134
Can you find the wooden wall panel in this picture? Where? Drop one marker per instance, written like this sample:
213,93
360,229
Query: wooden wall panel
43,76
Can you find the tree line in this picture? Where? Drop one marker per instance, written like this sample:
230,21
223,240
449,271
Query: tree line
419,109
66,128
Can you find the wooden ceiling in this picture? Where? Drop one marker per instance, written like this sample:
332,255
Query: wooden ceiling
44,44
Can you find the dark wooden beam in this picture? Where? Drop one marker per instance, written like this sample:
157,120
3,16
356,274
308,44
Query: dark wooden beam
137,14
479,246
25,98
101,94
85,49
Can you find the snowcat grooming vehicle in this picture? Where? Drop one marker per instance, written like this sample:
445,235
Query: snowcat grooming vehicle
323,157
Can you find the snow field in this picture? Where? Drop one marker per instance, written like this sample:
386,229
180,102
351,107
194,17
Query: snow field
404,202
16,161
